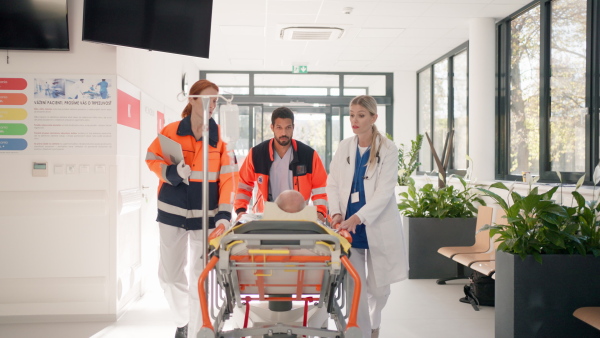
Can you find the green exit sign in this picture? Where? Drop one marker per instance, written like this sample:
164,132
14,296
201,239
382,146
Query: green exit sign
299,69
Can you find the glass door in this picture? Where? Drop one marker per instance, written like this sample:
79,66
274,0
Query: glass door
312,126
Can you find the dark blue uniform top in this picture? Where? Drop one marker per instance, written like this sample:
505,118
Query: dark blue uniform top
359,239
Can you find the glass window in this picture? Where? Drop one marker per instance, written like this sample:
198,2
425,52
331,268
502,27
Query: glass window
296,84
525,93
546,72
290,91
347,126
296,80
440,107
335,129
381,123
443,107
424,108
460,103
232,83
310,128
318,123
242,144
373,85
567,85
261,125
354,91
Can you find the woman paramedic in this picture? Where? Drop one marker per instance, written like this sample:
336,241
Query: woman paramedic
180,205
360,189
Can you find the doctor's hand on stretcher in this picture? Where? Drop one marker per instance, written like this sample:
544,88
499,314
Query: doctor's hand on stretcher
336,221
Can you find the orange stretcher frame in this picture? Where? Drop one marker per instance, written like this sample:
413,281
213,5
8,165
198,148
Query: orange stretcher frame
282,258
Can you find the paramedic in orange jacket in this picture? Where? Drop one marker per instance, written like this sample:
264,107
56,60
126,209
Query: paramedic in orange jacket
280,164
180,204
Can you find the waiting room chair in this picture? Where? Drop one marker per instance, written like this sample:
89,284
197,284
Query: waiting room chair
590,315
486,268
469,259
482,243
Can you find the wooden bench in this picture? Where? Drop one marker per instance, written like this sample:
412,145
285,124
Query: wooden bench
590,315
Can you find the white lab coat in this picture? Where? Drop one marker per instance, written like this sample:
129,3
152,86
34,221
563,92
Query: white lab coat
380,213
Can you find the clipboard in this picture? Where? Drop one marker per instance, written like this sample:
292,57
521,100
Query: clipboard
171,152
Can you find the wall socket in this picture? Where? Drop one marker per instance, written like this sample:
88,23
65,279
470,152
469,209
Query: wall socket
70,169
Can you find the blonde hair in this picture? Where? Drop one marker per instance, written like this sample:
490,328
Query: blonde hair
369,103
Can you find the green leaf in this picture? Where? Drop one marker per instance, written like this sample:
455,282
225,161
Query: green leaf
580,182
597,174
559,176
579,198
537,257
495,197
499,185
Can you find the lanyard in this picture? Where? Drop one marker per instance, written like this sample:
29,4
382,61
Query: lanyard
357,168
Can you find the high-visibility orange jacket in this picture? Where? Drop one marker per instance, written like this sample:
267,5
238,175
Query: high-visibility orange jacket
180,204
309,176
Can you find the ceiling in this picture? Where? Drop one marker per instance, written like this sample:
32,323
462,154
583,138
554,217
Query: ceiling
379,35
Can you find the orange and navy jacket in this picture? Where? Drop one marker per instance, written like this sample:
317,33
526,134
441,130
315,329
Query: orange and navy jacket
180,204
309,176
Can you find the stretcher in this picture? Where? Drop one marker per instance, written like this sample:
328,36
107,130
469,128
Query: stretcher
278,262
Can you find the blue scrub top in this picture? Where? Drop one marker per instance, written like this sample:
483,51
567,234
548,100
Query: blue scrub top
359,239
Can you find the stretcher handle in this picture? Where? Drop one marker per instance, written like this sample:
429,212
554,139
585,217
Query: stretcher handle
356,292
202,293
269,251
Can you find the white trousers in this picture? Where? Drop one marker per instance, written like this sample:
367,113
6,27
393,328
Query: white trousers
372,298
178,247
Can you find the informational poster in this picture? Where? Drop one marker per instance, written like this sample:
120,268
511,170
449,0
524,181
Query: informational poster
44,114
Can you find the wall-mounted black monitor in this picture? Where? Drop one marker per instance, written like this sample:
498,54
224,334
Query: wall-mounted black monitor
34,24
172,26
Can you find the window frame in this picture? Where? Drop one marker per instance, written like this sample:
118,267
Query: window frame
339,100
464,47
592,101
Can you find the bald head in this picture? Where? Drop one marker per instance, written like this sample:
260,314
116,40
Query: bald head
290,201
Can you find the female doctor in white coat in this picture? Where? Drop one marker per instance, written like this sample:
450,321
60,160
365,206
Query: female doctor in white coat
360,189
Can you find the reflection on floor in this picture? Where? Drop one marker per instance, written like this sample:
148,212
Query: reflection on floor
416,309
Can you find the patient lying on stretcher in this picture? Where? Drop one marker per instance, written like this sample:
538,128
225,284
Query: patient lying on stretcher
289,206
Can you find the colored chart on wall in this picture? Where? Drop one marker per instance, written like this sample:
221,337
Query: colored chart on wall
45,114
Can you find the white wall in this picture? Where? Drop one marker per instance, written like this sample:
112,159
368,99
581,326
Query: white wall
405,107
63,244
157,74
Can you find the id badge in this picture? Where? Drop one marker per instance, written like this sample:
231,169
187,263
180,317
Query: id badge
354,197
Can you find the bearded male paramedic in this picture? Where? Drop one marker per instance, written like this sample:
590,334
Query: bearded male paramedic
279,164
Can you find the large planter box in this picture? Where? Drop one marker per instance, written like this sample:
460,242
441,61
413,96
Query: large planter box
427,235
538,300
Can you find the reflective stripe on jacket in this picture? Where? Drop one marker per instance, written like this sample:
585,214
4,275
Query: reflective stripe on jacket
309,176
180,204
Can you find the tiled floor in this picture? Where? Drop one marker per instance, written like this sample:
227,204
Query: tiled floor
416,309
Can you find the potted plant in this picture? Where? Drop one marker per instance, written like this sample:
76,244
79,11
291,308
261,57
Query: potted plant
407,161
548,263
438,217
434,218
